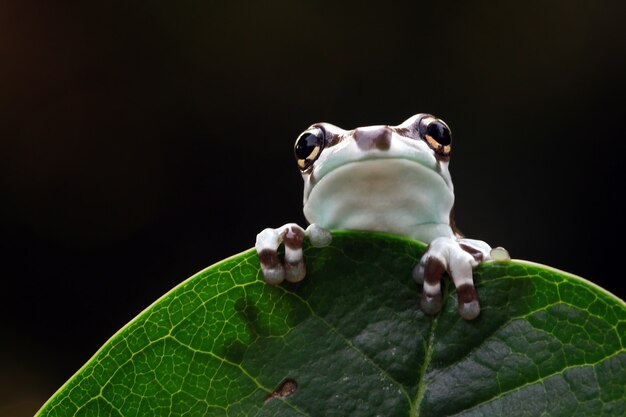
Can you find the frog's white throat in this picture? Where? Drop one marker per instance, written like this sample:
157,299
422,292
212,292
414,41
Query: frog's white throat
390,195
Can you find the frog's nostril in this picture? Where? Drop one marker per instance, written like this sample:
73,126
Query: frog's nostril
373,137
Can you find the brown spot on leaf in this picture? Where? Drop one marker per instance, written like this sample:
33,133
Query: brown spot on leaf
285,389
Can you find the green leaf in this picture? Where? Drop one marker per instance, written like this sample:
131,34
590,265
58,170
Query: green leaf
353,339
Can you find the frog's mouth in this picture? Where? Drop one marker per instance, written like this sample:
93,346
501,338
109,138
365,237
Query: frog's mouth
416,161
375,190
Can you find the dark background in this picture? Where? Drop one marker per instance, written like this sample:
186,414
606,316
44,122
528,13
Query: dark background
142,142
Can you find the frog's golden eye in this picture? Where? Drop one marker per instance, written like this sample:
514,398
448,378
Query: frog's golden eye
308,147
436,133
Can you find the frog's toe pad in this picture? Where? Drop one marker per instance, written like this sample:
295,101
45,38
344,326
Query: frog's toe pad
469,311
318,236
500,254
431,304
295,272
418,273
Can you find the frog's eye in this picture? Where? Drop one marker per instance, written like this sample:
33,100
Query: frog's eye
437,134
308,147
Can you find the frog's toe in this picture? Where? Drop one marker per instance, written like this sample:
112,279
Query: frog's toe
418,273
468,305
318,236
267,243
431,270
469,311
467,299
461,270
293,236
274,270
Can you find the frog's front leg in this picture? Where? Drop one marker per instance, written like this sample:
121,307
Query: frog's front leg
293,268
458,257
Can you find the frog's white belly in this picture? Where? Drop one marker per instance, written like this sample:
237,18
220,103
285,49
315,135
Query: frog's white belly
390,195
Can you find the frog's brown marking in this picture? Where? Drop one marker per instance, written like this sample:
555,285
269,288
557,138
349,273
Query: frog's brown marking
335,139
406,132
333,135
478,255
285,389
378,137
268,258
433,271
466,293
293,237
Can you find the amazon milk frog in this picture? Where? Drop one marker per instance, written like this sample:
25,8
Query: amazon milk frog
382,178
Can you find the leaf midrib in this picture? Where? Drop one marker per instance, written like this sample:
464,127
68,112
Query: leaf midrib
428,353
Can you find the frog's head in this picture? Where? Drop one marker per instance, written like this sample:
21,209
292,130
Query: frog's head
423,141
390,178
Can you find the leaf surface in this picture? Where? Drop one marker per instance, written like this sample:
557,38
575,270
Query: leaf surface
353,339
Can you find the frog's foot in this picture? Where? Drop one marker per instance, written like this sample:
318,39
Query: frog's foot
292,269
458,257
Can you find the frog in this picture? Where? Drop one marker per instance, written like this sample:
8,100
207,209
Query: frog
383,178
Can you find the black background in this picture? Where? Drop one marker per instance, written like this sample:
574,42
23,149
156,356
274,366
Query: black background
142,142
